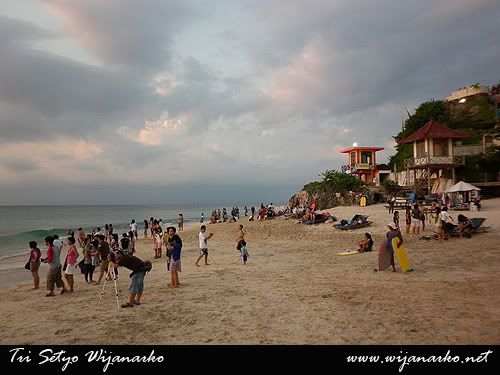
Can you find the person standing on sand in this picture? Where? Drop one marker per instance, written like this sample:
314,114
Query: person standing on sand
180,222
168,244
133,229
35,256
244,253
386,252
204,237
175,264
71,263
103,250
240,241
157,242
146,225
81,237
408,219
88,266
54,261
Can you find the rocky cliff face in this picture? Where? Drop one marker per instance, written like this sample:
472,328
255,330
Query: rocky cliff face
328,199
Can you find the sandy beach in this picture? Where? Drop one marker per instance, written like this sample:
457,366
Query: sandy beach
294,290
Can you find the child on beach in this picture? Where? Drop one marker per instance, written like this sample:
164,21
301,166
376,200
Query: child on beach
395,219
244,252
175,264
157,245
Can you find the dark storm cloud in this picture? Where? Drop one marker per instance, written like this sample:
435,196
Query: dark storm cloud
20,165
12,31
129,33
42,94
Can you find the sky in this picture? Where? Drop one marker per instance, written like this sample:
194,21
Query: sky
194,101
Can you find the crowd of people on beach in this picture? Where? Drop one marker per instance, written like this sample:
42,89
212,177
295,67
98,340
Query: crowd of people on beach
103,250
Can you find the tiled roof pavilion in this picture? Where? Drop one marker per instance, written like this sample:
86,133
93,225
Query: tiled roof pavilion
432,129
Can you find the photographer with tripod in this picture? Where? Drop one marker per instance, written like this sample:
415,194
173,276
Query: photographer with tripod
138,268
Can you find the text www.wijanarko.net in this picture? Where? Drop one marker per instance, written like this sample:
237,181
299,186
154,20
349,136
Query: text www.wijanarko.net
407,359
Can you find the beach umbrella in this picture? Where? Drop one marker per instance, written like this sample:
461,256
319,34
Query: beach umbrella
461,186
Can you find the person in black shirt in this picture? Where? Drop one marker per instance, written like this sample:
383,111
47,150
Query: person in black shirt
366,244
136,265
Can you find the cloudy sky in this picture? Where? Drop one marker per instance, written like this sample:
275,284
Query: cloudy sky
156,101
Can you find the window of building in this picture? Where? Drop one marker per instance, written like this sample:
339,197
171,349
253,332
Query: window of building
353,157
420,149
440,147
366,157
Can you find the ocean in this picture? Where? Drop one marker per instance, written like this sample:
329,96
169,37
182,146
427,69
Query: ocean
21,224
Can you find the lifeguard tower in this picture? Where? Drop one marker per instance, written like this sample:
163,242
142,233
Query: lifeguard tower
363,163
433,152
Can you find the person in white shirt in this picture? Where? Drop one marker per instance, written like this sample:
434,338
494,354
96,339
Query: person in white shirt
133,229
203,237
57,243
444,216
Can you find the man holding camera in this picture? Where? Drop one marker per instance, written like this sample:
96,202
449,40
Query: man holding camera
137,266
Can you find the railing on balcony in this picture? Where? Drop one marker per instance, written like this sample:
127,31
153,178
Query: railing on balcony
427,161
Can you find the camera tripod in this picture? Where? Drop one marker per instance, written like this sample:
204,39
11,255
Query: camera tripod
110,273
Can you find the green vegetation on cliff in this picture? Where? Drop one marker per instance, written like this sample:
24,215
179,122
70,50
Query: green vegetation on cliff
334,181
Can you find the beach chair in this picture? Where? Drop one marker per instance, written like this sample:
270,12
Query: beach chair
357,221
477,225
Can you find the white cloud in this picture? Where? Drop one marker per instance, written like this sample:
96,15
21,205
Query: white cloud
267,132
275,157
214,147
163,85
157,131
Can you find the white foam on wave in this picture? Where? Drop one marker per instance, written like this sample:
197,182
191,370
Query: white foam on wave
11,266
15,255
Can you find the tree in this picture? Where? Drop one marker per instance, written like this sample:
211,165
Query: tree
391,187
333,182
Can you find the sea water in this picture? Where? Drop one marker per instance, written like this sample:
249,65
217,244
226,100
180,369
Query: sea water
21,224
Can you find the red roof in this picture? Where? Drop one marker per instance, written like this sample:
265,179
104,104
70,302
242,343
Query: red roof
345,150
432,129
